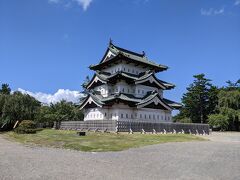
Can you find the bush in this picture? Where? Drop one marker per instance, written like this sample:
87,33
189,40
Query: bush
26,127
218,121
183,120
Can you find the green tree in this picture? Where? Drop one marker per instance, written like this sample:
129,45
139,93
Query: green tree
5,89
200,100
232,85
229,105
218,121
63,110
19,106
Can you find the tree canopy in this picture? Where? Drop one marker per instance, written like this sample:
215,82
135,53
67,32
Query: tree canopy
204,102
5,89
17,107
200,100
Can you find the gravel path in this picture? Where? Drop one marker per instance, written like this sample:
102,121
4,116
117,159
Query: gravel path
189,160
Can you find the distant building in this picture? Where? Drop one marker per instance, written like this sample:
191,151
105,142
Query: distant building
124,87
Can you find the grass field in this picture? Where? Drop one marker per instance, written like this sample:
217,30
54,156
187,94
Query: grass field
97,142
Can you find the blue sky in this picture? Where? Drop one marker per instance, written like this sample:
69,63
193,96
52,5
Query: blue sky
47,45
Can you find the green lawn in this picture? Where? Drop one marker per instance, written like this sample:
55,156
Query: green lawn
97,142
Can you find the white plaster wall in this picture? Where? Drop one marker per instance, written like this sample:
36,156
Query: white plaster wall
128,68
122,86
125,113
114,69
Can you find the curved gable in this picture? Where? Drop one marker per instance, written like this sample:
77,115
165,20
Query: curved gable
89,102
151,81
155,102
95,81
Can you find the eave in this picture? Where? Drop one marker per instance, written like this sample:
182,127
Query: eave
148,77
156,99
89,100
173,104
128,59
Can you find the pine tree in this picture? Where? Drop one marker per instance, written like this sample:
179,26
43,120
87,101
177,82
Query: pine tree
200,100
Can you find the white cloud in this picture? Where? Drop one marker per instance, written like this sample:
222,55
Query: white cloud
211,11
237,2
84,3
54,1
68,3
61,94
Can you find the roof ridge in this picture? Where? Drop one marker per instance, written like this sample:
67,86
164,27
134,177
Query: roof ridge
126,50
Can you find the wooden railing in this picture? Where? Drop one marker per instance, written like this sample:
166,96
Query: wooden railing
133,126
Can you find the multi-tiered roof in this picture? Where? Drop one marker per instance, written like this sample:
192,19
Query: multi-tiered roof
116,55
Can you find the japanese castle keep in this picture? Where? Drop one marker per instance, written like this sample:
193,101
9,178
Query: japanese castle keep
125,88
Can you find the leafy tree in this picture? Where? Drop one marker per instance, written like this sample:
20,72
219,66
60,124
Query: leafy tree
2,102
63,110
19,106
228,108
229,105
218,121
181,119
200,100
233,85
78,115
5,89
44,114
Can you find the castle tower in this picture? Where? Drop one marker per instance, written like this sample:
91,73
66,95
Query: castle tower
125,88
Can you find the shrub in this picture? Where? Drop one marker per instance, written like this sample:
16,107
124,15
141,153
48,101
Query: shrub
26,127
218,121
183,120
